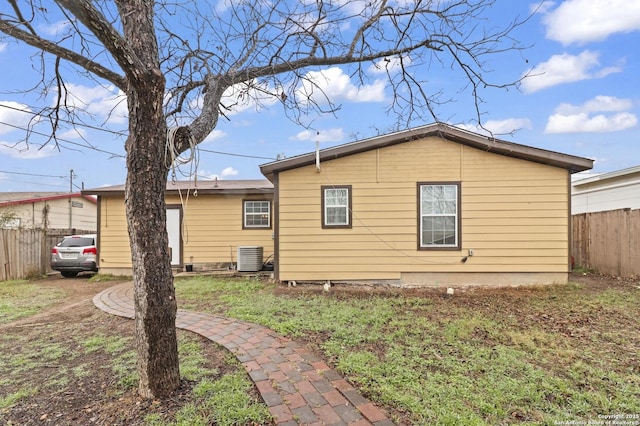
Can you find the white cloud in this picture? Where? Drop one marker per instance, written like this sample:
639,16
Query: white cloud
565,68
3,47
214,136
579,118
55,28
327,135
335,85
15,115
75,133
226,172
247,96
22,151
583,123
507,126
389,65
357,7
582,21
105,102
499,127
229,171
597,104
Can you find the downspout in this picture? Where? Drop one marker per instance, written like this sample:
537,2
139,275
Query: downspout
570,222
276,226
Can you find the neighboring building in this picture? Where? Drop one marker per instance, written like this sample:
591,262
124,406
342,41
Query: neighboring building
434,206
606,220
205,231
607,191
47,210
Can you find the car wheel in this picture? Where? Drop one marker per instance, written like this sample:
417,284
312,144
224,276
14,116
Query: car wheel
69,274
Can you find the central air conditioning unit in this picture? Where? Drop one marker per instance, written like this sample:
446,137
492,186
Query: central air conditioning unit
249,258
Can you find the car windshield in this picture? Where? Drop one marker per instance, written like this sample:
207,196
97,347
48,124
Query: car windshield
76,242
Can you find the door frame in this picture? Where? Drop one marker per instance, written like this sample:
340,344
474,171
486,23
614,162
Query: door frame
172,243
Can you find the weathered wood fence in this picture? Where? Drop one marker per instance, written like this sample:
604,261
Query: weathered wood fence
25,253
607,242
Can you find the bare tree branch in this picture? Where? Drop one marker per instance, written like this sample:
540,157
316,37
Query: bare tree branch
62,52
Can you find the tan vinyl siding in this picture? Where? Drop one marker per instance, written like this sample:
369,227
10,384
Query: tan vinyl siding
514,214
113,250
212,230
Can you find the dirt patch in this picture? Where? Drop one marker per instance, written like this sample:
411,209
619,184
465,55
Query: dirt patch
79,387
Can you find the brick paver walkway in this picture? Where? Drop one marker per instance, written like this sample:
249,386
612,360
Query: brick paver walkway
297,386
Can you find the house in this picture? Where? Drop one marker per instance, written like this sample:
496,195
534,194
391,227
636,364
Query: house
207,222
607,191
48,210
433,205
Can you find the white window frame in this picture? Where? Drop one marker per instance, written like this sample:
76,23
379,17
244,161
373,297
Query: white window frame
246,214
439,213
328,203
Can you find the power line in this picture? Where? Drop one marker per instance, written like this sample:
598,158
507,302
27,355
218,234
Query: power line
88,126
33,183
31,174
35,175
236,155
63,140
112,132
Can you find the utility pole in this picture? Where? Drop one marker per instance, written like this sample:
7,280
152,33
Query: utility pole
70,202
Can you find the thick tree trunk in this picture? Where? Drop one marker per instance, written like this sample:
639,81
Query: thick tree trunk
155,302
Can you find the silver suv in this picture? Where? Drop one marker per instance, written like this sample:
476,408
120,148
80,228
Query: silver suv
75,254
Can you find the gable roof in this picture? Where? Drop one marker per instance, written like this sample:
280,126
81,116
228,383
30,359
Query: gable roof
571,163
241,187
18,198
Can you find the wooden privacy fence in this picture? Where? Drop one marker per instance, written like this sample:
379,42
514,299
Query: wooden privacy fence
21,253
607,242
24,253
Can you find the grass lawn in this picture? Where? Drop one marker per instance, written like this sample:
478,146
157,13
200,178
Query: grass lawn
21,298
533,356
77,366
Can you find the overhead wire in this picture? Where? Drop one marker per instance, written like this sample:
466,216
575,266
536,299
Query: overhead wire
114,132
31,174
35,175
91,147
33,183
88,126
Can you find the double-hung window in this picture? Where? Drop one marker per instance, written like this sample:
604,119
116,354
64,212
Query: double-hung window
336,206
256,214
439,221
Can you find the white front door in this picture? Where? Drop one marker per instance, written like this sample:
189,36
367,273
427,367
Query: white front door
174,216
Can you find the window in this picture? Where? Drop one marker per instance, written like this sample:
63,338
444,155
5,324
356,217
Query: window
439,221
257,214
336,206
10,222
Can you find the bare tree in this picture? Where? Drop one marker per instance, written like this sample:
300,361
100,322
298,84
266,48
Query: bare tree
174,60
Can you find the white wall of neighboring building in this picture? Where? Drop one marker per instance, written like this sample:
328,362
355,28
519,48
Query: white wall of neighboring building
75,212
608,191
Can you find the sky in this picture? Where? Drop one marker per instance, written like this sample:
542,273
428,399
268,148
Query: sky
580,96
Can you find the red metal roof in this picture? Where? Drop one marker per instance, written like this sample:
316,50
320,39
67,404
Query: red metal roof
19,198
